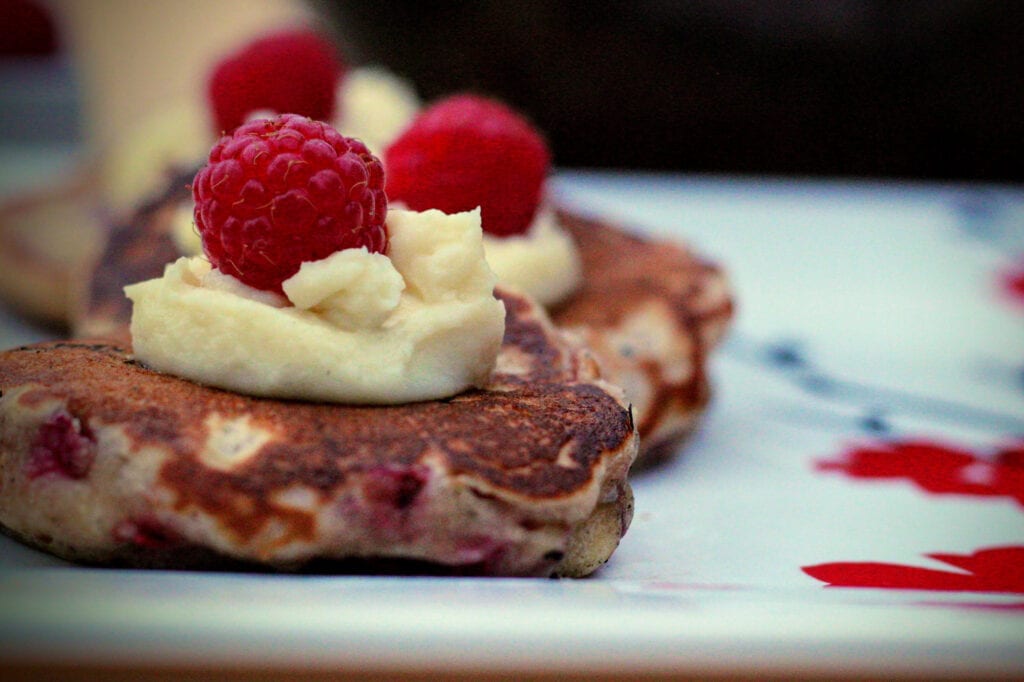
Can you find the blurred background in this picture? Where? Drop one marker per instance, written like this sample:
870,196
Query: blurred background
923,89
915,88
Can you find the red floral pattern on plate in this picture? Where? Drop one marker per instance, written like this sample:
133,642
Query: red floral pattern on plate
994,569
1013,283
938,469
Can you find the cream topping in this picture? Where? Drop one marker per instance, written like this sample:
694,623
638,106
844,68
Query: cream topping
374,105
183,230
543,262
137,166
418,324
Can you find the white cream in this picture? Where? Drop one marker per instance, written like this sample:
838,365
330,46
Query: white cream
352,289
420,324
374,106
543,262
137,166
183,230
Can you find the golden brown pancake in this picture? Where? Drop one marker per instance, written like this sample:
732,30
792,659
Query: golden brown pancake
651,310
136,249
106,462
47,238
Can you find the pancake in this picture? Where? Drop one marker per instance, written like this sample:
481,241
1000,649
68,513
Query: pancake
47,237
105,462
135,249
651,310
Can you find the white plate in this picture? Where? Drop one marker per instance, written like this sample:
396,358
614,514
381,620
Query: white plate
870,316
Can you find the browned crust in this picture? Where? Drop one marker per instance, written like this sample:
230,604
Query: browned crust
623,269
545,447
34,281
511,435
622,273
136,249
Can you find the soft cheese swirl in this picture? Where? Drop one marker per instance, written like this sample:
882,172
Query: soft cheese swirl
418,324
375,106
543,262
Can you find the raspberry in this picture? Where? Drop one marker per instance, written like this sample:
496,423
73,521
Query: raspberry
295,71
395,487
64,446
468,151
147,533
280,192
27,28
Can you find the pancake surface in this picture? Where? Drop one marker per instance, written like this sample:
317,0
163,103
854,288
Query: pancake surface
136,249
48,239
650,310
106,462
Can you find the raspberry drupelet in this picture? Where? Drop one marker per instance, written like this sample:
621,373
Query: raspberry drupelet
468,151
279,192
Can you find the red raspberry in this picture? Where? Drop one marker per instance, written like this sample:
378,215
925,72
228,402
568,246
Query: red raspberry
27,29
295,71
280,192
468,151
63,445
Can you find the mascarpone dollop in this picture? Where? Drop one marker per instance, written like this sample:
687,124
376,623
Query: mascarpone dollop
420,323
374,106
183,230
136,166
543,262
